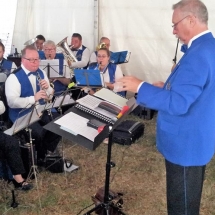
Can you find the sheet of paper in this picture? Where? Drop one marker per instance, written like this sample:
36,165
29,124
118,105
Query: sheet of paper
111,97
76,124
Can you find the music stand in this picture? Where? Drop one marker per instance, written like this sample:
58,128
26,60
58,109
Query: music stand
107,204
53,68
120,57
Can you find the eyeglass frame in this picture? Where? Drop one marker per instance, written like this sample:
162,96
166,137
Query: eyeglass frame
32,60
175,25
102,56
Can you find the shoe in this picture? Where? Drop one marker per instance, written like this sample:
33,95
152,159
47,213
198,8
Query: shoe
25,186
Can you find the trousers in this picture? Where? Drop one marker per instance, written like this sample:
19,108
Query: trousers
184,188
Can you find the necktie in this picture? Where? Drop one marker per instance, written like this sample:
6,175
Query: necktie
32,73
184,48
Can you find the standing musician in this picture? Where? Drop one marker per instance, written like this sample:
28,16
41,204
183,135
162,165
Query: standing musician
81,52
60,84
23,90
111,72
5,65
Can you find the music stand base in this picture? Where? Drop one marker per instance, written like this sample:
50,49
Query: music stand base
105,207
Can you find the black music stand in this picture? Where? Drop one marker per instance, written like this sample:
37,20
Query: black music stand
52,68
107,204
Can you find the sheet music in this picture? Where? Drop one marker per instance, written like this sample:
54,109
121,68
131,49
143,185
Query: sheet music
54,67
23,121
92,103
67,100
111,97
76,124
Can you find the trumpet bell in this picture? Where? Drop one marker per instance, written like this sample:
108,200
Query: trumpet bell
30,42
101,45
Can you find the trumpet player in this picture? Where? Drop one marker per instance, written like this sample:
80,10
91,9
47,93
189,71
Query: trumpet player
23,90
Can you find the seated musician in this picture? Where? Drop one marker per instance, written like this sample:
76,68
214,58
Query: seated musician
23,89
81,52
111,72
104,43
5,65
60,84
39,42
10,150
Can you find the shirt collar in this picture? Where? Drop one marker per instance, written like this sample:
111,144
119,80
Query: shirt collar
197,36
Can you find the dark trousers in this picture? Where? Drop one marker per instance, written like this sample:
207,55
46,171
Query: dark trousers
184,188
10,151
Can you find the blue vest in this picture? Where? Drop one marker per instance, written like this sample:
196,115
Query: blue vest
79,55
111,70
6,66
58,86
26,90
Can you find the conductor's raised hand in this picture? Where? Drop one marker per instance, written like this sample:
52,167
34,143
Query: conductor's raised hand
40,95
129,83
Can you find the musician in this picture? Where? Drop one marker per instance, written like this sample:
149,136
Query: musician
22,90
81,52
5,65
106,42
39,42
10,151
60,84
110,71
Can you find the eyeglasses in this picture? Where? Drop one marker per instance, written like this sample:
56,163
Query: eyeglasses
175,25
32,60
49,50
101,56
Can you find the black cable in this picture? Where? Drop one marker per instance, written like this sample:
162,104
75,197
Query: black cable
84,209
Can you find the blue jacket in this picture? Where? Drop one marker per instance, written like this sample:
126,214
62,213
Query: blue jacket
186,106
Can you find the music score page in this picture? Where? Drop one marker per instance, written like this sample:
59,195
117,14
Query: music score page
76,124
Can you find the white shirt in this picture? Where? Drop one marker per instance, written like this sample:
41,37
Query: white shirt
2,107
84,60
93,58
13,90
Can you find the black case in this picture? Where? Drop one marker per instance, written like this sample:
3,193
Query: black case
128,132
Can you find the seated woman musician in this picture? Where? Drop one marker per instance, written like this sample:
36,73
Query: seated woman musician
10,151
111,72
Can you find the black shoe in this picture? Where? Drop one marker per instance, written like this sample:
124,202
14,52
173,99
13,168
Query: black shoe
25,186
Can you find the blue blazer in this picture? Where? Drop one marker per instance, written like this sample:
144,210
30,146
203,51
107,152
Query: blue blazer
186,106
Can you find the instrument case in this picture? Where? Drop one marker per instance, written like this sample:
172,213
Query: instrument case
128,132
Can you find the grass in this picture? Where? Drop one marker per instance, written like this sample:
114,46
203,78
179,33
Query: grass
139,174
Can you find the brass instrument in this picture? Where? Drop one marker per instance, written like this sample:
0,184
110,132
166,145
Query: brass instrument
68,55
30,42
101,45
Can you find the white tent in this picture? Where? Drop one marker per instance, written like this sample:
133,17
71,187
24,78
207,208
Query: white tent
140,26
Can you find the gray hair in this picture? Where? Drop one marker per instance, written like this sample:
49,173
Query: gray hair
28,47
49,43
195,7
